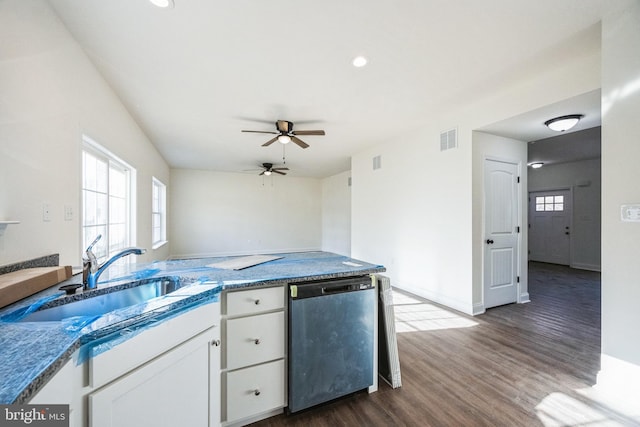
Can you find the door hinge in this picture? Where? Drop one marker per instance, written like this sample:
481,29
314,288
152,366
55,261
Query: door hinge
518,180
517,229
517,279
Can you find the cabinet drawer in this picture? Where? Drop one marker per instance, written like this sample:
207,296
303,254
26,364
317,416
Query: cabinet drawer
251,391
254,339
254,301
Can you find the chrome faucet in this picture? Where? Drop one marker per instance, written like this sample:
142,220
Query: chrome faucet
90,269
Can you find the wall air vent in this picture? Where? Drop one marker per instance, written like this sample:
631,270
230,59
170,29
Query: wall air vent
377,162
449,139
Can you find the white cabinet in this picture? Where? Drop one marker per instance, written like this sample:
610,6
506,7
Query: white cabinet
253,357
171,390
168,374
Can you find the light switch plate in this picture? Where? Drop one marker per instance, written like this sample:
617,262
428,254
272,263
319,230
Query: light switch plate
630,213
68,213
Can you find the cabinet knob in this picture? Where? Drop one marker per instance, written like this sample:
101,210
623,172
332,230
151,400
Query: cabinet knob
256,392
257,341
257,302
215,343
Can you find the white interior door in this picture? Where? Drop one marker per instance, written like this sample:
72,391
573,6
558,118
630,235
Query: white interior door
550,226
501,233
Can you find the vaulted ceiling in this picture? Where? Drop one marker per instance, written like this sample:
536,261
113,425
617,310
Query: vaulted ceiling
195,75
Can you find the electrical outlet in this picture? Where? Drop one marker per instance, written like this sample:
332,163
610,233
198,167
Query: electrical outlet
46,212
68,213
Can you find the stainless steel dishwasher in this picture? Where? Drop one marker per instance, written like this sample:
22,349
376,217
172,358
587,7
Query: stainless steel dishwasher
331,327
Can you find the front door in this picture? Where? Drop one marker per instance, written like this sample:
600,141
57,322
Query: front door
550,226
501,233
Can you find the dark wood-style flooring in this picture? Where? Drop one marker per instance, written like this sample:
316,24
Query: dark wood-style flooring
515,365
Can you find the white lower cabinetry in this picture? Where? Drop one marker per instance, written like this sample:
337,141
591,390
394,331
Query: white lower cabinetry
253,357
171,390
167,375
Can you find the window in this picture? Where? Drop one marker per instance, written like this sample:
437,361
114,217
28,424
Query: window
107,196
158,213
549,203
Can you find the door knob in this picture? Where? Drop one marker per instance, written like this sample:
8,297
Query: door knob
489,242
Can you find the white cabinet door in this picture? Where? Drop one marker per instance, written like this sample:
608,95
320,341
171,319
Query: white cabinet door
171,390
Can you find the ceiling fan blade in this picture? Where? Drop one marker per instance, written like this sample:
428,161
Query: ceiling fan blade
269,142
261,131
298,141
279,169
308,132
261,173
278,172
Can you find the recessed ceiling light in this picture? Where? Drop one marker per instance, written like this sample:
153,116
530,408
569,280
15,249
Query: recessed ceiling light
562,123
359,61
163,3
536,165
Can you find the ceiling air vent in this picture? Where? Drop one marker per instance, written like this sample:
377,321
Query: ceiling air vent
448,139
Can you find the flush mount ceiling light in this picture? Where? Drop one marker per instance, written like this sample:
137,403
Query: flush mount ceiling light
284,139
536,165
562,123
163,3
359,61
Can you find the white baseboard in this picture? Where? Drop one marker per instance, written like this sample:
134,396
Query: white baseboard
590,267
478,308
523,298
619,378
436,297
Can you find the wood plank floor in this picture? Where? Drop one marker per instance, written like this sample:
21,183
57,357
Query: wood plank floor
515,365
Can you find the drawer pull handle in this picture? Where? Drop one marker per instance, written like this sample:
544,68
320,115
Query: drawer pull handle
257,302
257,341
256,392
215,343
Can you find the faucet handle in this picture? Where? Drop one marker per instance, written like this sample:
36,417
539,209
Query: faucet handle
93,243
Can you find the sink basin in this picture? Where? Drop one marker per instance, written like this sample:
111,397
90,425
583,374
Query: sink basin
106,303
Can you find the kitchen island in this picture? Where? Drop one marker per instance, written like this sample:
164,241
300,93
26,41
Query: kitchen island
31,353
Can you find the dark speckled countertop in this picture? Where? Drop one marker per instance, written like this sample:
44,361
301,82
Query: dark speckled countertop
32,352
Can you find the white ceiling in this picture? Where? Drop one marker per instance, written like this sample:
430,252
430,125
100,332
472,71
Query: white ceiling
195,75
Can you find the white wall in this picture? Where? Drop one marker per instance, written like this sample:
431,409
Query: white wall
220,213
415,214
336,214
583,178
50,93
620,368
487,146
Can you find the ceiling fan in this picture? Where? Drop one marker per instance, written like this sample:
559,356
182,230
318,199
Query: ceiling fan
268,169
285,134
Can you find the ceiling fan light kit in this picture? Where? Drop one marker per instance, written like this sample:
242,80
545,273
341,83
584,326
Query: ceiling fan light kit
536,165
563,123
284,134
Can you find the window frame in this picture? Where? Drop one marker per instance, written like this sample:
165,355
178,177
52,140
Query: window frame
105,248
158,213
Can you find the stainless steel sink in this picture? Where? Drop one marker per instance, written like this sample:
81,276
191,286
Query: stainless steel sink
106,303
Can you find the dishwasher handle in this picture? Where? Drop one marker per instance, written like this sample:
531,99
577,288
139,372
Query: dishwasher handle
339,288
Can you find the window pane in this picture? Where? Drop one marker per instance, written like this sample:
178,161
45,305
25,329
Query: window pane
548,207
117,183
539,200
102,209
548,199
558,199
540,207
101,176
558,207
